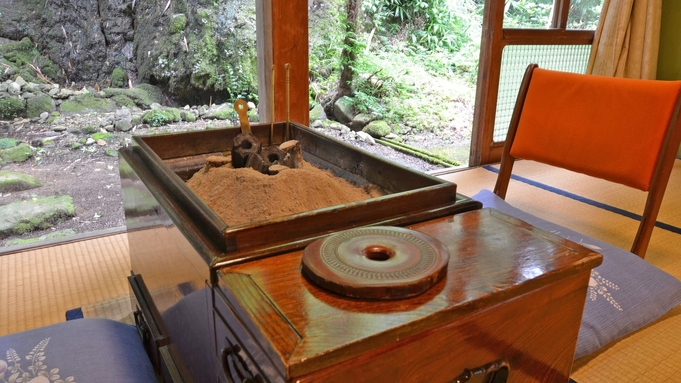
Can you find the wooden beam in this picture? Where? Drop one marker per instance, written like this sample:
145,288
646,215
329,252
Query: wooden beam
290,46
488,82
283,39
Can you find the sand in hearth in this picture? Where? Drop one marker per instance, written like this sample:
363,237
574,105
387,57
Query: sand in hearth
245,195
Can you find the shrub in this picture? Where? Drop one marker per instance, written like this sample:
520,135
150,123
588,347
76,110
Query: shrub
11,107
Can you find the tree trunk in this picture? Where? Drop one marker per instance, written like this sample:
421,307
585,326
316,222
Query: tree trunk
349,52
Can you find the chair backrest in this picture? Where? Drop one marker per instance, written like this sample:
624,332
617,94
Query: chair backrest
622,130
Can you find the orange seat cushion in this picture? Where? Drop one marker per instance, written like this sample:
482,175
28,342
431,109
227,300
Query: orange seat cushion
610,128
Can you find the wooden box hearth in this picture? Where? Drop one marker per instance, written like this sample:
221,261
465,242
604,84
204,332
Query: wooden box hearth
178,244
511,302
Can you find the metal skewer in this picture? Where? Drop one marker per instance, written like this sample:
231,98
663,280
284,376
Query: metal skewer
272,107
288,104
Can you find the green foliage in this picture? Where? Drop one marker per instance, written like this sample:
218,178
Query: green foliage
327,30
434,24
527,13
21,58
584,14
119,79
11,107
178,23
221,65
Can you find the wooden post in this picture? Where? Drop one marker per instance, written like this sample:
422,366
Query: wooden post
283,38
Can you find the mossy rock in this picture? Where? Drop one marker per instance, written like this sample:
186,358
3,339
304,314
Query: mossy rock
142,96
54,235
89,129
155,94
11,181
160,117
39,213
178,23
224,112
18,153
187,116
35,106
119,79
11,107
87,103
106,136
8,143
125,101
18,55
377,129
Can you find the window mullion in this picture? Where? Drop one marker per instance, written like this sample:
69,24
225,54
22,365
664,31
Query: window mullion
561,8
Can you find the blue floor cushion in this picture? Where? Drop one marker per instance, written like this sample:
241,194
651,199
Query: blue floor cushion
77,351
625,292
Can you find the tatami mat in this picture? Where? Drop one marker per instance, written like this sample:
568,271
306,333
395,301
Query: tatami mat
38,285
651,354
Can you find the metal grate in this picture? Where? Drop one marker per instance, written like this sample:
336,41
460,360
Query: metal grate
514,61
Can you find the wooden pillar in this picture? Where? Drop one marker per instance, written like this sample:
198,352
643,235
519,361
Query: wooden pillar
283,39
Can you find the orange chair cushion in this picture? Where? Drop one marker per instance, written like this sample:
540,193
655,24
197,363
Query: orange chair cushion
584,122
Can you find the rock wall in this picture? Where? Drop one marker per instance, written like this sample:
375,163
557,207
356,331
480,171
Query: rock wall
194,49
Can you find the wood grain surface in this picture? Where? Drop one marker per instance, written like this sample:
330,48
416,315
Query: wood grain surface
512,292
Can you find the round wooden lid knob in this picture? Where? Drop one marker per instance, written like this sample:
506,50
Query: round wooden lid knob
380,262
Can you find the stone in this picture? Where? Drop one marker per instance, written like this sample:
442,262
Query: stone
123,125
317,113
377,129
344,110
221,112
37,213
14,88
366,137
360,121
39,104
18,153
20,81
11,181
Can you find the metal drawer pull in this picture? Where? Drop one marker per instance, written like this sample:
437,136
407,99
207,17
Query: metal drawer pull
494,372
230,357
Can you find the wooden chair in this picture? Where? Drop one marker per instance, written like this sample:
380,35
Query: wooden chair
622,130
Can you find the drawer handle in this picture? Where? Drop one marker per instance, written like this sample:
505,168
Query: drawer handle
493,372
230,357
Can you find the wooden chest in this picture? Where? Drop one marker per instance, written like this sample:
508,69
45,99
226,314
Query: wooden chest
511,301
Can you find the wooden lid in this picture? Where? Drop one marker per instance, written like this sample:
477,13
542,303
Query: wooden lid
378,262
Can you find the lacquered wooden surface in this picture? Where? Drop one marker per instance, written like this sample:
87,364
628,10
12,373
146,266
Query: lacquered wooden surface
408,194
494,259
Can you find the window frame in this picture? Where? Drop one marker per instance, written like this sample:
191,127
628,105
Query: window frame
495,37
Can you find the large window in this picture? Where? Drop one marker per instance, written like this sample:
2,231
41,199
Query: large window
556,34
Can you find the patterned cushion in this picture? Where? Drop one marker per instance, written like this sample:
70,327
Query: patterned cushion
625,292
82,350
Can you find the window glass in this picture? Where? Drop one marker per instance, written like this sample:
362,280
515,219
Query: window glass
528,14
584,14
